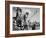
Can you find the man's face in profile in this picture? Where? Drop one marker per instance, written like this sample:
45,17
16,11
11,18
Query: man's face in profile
27,14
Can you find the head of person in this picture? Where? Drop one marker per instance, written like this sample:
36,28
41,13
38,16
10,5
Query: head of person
27,14
19,11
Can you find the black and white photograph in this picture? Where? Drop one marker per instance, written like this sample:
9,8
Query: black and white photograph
25,18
